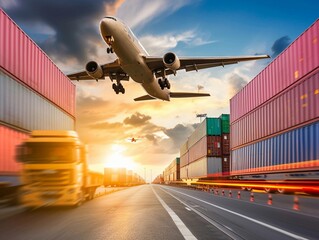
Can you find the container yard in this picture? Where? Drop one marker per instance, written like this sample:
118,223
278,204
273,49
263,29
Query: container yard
273,130
121,177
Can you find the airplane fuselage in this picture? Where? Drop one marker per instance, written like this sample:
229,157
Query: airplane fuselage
130,53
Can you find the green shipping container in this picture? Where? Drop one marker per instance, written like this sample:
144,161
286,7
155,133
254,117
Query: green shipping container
213,126
225,123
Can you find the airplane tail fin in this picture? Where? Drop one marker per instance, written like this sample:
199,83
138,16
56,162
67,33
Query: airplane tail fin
187,95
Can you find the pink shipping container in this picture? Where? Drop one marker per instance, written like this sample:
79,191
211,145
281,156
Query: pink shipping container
298,60
296,106
26,62
9,139
208,146
184,159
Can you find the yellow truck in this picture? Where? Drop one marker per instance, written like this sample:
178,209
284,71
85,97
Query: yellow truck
55,170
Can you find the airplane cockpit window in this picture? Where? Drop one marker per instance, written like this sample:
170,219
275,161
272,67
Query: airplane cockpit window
113,18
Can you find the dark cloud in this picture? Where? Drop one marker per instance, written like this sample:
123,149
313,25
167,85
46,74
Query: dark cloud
74,24
236,83
137,119
280,45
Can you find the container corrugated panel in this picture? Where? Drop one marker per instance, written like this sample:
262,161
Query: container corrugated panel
225,139
214,147
214,167
295,106
24,108
9,140
184,159
209,127
225,165
183,172
295,150
198,169
184,148
225,123
198,150
22,58
299,59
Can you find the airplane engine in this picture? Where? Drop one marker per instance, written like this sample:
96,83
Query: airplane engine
94,70
171,61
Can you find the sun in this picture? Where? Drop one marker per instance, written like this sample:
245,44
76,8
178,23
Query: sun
118,160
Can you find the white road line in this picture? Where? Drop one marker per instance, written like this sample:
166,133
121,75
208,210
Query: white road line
246,217
178,222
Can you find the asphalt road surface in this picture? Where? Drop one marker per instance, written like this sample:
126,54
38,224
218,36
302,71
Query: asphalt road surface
162,212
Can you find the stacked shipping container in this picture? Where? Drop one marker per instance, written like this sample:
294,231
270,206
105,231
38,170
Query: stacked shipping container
172,172
274,119
206,152
34,94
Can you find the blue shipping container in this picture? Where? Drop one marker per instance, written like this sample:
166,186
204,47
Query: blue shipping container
295,150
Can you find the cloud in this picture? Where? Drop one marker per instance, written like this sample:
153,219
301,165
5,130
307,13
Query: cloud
236,83
280,45
137,119
138,13
73,26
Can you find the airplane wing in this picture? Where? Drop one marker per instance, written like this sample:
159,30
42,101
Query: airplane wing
196,63
111,70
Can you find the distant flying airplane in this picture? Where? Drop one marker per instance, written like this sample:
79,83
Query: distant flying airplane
149,71
133,140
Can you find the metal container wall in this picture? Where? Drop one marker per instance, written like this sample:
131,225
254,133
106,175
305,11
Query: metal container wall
184,148
295,106
24,108
225,165
184,160
225,123
295,150
183,172
209,127
299,59
214,147
198,169
22,58
214,167
198,150
9,139
225,139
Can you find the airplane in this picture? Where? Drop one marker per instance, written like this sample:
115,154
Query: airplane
150,71
133,140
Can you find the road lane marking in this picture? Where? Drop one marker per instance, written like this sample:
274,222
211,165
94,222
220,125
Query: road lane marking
178,222
188,209
228,231
246,217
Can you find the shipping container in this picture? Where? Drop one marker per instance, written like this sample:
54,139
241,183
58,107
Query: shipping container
184,160
27,63
292,151
172,171
9,167
225,140
295,62
184,172
295,106
225,123
209,127
22,107
184,148
208,146
214,167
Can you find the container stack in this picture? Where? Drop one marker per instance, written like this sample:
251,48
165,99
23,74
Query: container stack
34,94
274,118
202,155
172,172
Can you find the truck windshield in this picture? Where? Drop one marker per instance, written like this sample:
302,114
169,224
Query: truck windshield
47,152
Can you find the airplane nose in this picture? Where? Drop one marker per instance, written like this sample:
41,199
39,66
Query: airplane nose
104,26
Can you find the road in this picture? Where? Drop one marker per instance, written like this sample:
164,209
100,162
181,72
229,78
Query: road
162,212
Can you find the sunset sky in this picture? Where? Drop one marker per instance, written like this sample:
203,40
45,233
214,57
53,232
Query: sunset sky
68,32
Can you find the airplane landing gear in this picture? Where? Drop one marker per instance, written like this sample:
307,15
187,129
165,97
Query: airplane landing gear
164,83
118,88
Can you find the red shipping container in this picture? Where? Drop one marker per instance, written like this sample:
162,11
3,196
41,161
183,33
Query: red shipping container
214,148
294,107
225,165
298,60
225,139
24,60
9,139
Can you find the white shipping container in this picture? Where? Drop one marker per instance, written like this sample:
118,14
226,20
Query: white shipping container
198,169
